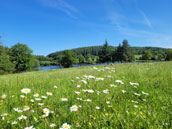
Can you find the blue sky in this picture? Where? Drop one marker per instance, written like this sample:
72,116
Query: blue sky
51,25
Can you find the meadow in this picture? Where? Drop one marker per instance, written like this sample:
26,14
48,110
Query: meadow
117,96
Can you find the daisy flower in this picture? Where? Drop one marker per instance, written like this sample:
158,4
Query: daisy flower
22,117
64,99
73,108
49,94
3,96
46,110
97,107
52,125
36,95
65,126
25,90
119,81
55,87
26,108
31,127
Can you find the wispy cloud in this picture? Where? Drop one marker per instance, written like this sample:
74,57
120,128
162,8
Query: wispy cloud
147,21
61,5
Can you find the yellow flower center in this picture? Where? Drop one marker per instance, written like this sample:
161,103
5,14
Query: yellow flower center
25,90
66,126
73,108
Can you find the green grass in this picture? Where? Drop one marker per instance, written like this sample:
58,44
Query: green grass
154,110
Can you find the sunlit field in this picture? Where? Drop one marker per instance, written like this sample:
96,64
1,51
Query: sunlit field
109,97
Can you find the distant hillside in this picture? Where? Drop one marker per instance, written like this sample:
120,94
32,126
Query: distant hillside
96,50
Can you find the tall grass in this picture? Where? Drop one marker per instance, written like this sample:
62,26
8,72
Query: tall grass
147,105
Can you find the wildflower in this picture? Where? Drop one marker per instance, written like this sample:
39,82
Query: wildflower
14,123
3,96
49,94
144,99
25,91
77,78
112,85
32,100
52,125
64,99
36,95
55,87
46,111
119,81
77,92
123,91
91,77
26,108
108,102
79,99
31,127
144,93
85,82
97,107
131,83
44,97
37,99
134,101
4,114
95,68
106,91
99,78
88,100
137,94
17,110
22,96
40,104
45,115
78,86
135,106
65,126
22,117
73,108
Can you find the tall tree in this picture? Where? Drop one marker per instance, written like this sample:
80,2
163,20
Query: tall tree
68,59
22,57
169,55
147,55
105,55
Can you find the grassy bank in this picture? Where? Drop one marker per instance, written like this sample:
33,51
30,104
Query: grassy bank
107,99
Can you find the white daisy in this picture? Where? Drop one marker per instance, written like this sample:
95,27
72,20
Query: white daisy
52,125
64,99
25,90
65,126
31,127
49,93
22,117
119,81
26,108
3,96
73,108
46,110
36,95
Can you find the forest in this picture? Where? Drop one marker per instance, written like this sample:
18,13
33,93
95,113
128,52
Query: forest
20,58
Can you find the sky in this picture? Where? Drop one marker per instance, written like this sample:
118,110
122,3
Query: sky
48,26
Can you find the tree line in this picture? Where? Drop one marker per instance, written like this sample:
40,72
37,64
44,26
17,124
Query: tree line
20,58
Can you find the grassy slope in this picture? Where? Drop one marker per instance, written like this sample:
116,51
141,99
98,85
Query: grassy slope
155,112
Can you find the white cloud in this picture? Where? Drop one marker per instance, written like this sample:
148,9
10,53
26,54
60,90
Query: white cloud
62,6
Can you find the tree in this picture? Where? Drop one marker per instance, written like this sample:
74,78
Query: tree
147,55
81,59
169,55
21,56
118,54
160,57
123,53
36,64
68,59
105,53
6,65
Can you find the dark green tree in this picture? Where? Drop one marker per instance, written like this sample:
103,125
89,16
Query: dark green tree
81,59
147,55
160,57
169,55
118,54
6,65
69,59
105,55
21,56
